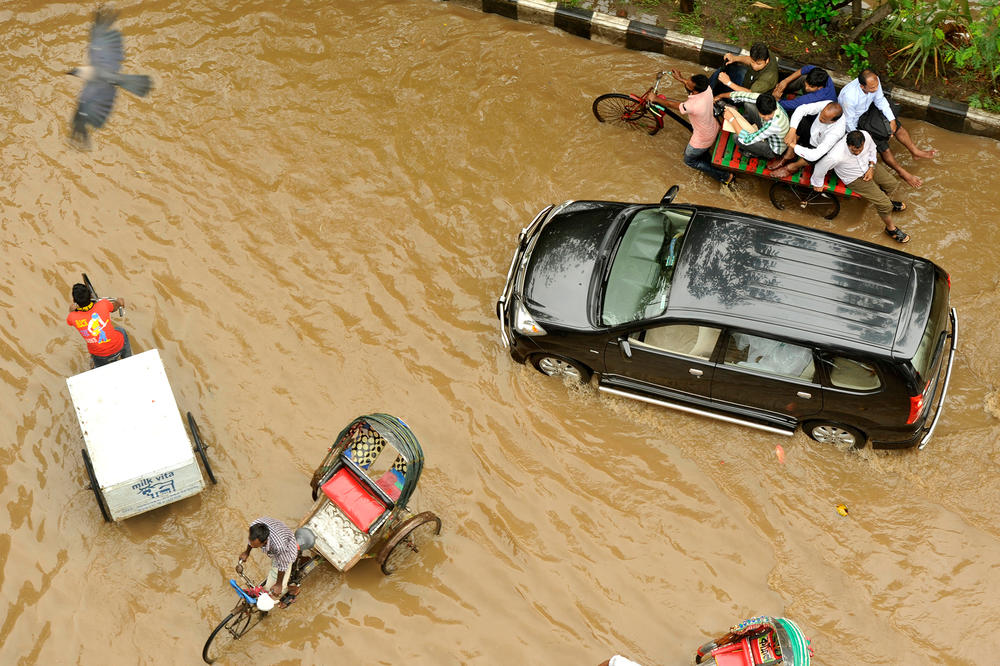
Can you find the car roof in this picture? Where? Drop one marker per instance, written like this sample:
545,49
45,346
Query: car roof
795,282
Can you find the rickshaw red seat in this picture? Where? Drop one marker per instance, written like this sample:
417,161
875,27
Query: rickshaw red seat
356,501
748,651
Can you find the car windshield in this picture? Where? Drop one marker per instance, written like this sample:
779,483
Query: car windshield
638,284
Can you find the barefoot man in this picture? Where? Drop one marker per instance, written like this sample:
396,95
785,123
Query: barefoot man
867,108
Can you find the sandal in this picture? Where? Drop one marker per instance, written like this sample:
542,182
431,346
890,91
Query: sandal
898,206
898,235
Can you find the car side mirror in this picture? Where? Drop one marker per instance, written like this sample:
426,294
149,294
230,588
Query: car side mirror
669,196
625,347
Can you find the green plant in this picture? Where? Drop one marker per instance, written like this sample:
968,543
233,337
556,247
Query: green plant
981,52
984,101
691,24
814,15
857,54
916,26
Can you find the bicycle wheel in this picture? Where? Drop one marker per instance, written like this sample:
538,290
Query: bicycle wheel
625,111
95,487
787,195
407,540
230,630
200,446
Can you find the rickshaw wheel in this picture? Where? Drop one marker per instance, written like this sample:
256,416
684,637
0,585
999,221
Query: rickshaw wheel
789,196
406,540
199,446
231,629
94,486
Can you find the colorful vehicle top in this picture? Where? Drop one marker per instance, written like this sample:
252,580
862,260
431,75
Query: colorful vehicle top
758,641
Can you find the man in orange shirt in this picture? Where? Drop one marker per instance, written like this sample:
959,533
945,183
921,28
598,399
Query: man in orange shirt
92,319
699,108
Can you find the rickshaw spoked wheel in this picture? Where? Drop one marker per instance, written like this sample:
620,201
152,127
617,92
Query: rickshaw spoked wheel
94,486
789,195
406,540
200,446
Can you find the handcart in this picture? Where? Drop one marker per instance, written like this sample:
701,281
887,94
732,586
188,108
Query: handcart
136,453
789,192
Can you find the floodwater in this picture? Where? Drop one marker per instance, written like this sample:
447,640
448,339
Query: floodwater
311,217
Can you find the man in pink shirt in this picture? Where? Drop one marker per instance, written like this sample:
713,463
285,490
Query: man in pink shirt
704,128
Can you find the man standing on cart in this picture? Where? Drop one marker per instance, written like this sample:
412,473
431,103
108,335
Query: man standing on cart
278,543
92,319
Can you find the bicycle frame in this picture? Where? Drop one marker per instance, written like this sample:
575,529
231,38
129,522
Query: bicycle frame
659,110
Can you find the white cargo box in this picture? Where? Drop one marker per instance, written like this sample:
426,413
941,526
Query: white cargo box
134,434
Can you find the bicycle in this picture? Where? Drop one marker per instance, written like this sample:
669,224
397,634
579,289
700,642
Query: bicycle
253,606
635,111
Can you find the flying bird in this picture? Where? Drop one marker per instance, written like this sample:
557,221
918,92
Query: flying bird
102,78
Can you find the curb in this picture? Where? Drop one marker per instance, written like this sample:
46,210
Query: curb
638,36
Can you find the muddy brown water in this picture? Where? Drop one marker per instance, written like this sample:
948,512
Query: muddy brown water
311,217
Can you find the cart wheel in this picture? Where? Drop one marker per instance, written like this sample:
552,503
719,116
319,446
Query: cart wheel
788,195
407,539
94,486
200,447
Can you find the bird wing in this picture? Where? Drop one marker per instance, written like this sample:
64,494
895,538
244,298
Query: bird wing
106,48
95,104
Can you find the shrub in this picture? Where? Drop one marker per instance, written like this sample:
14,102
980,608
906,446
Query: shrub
814,15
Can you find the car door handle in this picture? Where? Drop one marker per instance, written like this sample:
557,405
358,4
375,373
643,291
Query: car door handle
803,394
696,372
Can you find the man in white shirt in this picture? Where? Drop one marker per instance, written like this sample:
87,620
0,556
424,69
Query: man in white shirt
816,128
855,161
867,108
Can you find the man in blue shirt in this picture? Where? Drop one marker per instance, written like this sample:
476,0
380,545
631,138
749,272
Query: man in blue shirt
810,83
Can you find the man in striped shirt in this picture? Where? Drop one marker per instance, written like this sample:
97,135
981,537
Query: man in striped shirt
762,110
278,543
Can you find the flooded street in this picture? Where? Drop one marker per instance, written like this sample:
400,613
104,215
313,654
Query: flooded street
311,217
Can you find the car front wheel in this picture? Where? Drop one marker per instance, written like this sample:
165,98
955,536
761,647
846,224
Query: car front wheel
557,366
836,434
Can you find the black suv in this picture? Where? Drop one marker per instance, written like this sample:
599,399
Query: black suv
734,316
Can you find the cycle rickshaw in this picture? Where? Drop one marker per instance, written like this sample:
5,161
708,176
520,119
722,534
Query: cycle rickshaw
362,490
763,640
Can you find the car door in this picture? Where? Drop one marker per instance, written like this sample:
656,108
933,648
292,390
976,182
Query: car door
768,378
673,360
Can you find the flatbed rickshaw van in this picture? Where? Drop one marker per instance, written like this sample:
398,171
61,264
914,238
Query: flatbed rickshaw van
736,317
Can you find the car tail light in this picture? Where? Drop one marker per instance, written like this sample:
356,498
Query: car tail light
917,405
948,275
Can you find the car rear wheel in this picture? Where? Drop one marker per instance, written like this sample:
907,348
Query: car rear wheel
836,434
557,366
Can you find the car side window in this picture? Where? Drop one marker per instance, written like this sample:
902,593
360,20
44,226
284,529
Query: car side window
685,339
854,375
770,356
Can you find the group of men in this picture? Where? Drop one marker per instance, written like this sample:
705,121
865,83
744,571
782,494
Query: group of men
801,120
